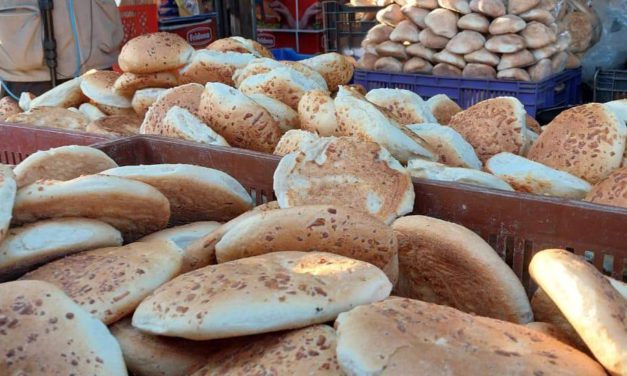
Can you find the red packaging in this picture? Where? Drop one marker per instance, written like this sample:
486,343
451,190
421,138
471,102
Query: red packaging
293,24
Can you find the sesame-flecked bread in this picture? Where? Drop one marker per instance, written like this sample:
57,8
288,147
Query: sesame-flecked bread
308,351
185,96
612,190
265,65
405,106
213,66
98,86
493,126
144,98
316,111
134,208
553,331
335,68
181,123
241,45
347,172
293,140
445,263
240,120
449,146
128,83
588,301
281,290
67,94
45,333
116,125
184,236
62,163
37,243
154,52
400,336
8,190
53,117
323,228
443,108
150,355
284,115
422,169
195,193
587,141
8,107
109,283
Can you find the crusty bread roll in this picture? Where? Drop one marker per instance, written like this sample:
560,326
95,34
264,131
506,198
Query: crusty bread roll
99,87
316,113
446,70
491,8
264,65
448,145
431,251
150,355
284,115
53,117
185,96
405,106
195,193
241,45
589,134
294,140
405,31
443,108
180,123
431,40
612,190
466,42
593,307
213,66
357,117
505,44
493,126
324,228
442,22
508,24
474,22
62,163
538,35
8,107
155,52
410,336
110,282
183,237
128,83
67,94
283,290
414,14
46,333
525,175
482,56
132,207
383,189
297,352
239,119
8,190
37,243
422,169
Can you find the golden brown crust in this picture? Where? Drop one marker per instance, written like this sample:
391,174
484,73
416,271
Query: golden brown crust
53,117
129,83
234,45
155,52
185,96
444,109
335,68
8,107
116,125
533,124
612,190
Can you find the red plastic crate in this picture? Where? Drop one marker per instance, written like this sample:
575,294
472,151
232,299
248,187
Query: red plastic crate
138,20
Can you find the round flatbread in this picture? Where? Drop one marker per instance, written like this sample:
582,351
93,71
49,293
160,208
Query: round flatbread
8,190
612,190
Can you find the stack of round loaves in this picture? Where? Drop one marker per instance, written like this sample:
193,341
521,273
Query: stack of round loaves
490,39
95,284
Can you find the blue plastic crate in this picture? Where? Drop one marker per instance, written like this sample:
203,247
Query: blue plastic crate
289,54
558,90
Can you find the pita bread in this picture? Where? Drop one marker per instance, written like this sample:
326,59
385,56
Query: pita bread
520,59
465,42
128,83
286,117
539,15
508,24
442,22
110,282
474,70
450,147
99,87
436,339
475,22
612,190
541,70
148,355
240,120
357,117
298,289
316,113
432,251
391,49
459,6
443,108
390,15
366,61
8,107
116,125
241,45
298,352
545,52
430,39
492,8
144,98
417,65
525,175
294,140
195,193
516,74
418,50
482,56
62,163
263,65
52,117
405,31
426,4
380,33
323,228
92,112
422,169
492,126
46,333
335,68
406,106
34,244
323,173
414,14
132,207
446,70
113,110
67,94
594,308
185,96
180,123
154,52
587,141
213,66
521,6
505,44
388,64
538,35
183,237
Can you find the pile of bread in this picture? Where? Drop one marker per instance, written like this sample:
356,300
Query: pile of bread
525,40
162,72
105,289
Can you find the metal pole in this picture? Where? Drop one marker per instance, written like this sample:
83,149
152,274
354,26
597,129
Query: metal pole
50,44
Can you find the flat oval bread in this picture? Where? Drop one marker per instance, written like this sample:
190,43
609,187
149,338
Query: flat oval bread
281,290
195,193
132,207
344,171
109,283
